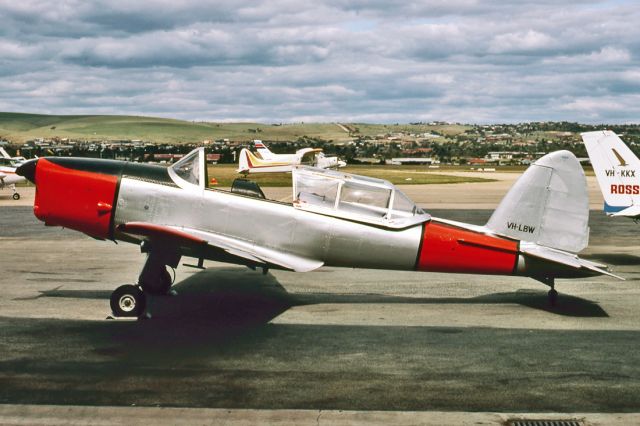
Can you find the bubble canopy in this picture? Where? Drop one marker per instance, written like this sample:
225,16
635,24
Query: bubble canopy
354,197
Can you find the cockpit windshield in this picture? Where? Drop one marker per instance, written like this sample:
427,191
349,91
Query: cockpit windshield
191,169
355,197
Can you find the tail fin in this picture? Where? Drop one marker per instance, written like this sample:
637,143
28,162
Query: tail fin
262,149
244,162
618,171
548,205
4,153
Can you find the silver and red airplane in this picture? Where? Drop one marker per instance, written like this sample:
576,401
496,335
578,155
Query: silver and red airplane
8,176
335,219
265,161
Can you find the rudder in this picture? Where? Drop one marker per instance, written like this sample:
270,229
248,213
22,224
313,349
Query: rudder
548,205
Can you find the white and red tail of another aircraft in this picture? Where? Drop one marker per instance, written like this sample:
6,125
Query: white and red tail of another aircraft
262,149
617,169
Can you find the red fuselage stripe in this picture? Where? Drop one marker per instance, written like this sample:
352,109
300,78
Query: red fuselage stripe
447,248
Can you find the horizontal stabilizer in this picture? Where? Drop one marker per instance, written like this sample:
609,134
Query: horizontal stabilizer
564,258
633,211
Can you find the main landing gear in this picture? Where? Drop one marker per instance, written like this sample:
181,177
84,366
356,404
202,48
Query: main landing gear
130,301
16,195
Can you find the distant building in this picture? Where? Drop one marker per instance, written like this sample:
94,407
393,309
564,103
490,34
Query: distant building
477,161
367,160
213,158
412,160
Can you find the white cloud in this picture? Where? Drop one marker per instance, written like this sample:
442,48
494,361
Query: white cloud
281,60
606,55
521,42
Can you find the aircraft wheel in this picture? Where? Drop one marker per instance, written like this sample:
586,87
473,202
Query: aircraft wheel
16,196
159,287
553,297
128,301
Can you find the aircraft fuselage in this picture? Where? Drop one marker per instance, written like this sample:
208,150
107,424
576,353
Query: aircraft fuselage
98,197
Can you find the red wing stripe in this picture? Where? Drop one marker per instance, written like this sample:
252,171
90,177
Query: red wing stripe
158,231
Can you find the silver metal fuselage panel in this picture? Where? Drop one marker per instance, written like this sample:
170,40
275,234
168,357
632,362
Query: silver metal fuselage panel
270,224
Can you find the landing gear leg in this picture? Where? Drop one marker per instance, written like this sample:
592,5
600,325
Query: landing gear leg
154,277
553,297
16,196
131,300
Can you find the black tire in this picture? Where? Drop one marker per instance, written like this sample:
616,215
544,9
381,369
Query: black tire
128,301
159,287
16,196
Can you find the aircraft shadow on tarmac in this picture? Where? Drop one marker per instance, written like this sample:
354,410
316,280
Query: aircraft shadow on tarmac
234,297
567,305
617,259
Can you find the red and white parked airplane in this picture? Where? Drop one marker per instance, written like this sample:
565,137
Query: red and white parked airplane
265,161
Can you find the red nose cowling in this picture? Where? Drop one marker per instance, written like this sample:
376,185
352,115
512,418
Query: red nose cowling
78,199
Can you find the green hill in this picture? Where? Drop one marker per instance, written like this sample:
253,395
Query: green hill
19,127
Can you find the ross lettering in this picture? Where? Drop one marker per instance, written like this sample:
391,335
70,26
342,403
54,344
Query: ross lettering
521,228
624,189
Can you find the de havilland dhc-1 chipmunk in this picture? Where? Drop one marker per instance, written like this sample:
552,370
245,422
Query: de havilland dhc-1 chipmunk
335,219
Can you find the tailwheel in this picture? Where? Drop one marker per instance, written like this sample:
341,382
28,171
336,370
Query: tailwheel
16,196
128,301
553,297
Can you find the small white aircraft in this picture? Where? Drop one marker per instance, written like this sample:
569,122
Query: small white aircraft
15,160
265,161
618,171
8,176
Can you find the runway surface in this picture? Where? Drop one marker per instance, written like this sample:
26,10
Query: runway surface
336,339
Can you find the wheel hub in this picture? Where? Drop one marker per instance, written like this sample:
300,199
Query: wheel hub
127,303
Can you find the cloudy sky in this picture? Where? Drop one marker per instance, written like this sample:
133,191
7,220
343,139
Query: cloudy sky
327,60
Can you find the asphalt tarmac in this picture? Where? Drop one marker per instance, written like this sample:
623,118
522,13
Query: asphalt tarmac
335,339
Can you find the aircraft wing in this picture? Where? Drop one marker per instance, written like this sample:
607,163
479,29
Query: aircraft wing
244,249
